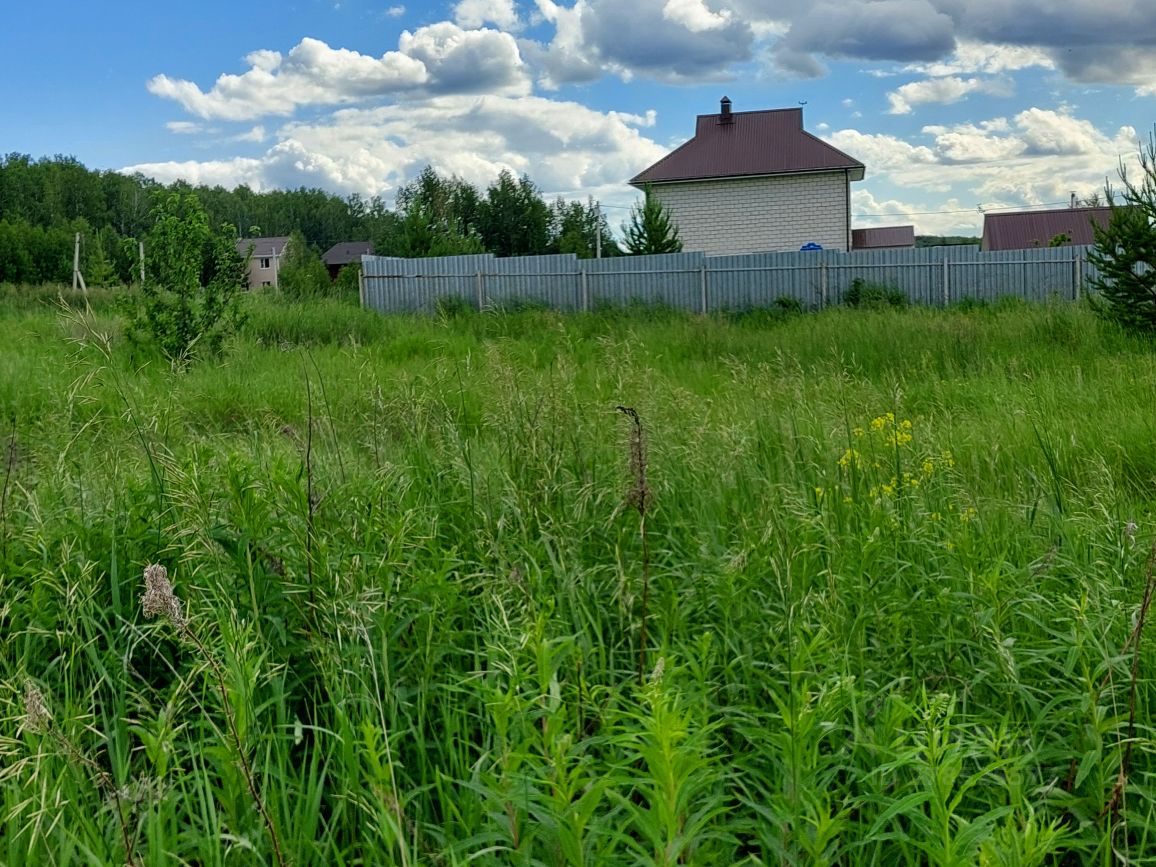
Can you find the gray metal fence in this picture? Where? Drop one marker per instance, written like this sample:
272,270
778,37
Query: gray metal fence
692,281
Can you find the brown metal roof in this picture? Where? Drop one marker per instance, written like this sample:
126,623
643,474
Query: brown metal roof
750,143
263,248
1020,230
882,236
346,252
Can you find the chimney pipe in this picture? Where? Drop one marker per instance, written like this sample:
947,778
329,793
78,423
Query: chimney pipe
725,113
1072,203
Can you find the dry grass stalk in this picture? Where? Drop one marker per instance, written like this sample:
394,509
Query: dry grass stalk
38,719
639,497
159,600
1115,800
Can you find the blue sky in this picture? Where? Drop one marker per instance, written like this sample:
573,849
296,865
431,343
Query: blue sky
952,105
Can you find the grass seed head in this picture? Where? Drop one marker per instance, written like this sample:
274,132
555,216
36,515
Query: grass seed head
638,496
159,600
36,715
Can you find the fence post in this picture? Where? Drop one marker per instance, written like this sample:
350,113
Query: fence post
585,291
822,284
481,292
1077,274
946,286
702,286
361,288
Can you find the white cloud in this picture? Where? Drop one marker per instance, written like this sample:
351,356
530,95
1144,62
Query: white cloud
971,56
565,147
694,15
943,91
439,58
1037,157
185,127
943,217
255,134
471,14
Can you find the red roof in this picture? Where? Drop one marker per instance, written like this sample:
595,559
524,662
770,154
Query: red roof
750,143
878,237
1020,230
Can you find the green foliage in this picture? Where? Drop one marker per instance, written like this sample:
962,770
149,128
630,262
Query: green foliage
348,282
1125,251
874,638
946,240
650,228
864,293
512,219
1060,240
582,229
301,274
189,302
438,218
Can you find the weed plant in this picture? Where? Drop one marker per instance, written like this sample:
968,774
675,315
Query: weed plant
896,577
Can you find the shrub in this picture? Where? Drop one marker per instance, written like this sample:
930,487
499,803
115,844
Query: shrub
302,275
189,301
864,293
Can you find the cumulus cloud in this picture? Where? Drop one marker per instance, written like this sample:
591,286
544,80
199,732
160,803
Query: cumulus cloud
1036,157
685,40
567,148
472,14
875,30
942,91
971,57
695,15
439,58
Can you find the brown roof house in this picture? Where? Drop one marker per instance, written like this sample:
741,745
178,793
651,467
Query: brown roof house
340,255
265,256
1021,230
883,238
755,181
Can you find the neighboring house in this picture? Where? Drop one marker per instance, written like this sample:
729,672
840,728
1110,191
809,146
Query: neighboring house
883,238
755,181
1021,230
340,255
264,259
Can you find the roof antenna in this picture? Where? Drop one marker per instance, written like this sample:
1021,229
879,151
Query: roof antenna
802,102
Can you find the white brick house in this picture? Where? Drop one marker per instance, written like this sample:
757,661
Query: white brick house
755,181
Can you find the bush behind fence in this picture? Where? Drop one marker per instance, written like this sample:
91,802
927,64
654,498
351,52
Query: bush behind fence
934,276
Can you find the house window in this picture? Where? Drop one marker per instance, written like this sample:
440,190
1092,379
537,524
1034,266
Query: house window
265,263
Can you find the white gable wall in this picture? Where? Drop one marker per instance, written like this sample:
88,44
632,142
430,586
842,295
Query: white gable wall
756,215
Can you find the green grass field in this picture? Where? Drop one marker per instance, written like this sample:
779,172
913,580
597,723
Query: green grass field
888,576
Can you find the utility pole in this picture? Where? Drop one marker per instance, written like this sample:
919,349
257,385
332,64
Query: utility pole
598,231
77,277
140,254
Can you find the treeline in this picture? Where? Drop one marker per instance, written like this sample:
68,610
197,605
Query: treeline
44,203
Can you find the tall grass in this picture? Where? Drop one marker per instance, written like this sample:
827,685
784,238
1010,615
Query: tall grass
895,565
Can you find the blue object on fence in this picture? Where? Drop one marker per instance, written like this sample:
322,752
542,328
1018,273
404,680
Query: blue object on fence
811,245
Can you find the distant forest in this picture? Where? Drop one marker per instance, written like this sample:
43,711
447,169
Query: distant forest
45,202
945,240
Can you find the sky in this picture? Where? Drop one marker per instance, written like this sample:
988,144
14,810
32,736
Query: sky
955,106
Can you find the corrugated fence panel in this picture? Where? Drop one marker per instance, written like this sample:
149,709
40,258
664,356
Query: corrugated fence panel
412,285
757,279
550,281
671,278
929,276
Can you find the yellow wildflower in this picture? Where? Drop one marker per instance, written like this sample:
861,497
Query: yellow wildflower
928,466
